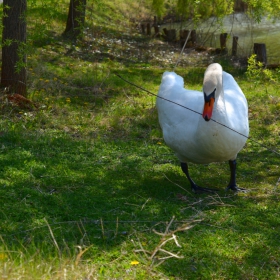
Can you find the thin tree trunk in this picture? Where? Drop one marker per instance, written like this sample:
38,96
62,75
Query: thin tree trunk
13,75
76,18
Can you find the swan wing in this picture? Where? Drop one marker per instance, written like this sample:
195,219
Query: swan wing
178,123
236,105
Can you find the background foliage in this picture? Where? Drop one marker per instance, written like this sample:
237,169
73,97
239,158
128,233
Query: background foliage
202,9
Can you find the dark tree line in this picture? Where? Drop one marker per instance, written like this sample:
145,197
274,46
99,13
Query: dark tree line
76,18
13,74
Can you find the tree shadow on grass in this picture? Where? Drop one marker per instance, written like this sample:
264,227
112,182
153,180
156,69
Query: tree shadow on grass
100,191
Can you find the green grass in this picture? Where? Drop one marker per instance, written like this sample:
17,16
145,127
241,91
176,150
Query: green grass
87,183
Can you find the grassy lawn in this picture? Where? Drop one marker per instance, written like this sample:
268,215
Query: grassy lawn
88,189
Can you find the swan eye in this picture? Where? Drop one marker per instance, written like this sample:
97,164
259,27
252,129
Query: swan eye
207,98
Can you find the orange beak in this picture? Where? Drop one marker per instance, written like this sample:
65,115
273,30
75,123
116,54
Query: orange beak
208,109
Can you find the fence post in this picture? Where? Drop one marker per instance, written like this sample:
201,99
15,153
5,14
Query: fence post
193,36
183,36
170,35
260,51
234,45
143,28
223,41
148,29
156,27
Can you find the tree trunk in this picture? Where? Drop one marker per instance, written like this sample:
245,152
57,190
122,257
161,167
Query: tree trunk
76,18
260,51
223,40
13,75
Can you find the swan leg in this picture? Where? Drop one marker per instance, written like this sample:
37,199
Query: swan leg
194,186
232,183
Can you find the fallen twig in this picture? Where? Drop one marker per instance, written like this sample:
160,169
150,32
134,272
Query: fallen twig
166,237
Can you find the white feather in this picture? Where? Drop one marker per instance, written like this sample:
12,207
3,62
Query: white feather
191,137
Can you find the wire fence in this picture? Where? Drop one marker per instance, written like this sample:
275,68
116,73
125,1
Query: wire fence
240,26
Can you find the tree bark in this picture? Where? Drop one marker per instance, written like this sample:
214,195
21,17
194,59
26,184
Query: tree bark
260,51
13,75
76,18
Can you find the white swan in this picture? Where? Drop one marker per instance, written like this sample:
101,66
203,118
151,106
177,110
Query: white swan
192,136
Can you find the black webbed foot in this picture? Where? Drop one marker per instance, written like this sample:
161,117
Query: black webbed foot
194,186
236,189
232,183
198,189
231,186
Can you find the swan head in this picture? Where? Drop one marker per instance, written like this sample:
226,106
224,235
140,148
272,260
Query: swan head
209,101
212,87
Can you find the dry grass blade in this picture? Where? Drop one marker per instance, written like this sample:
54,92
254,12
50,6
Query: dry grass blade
6,248
78,258
145,203
176,184
142,249
53,238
